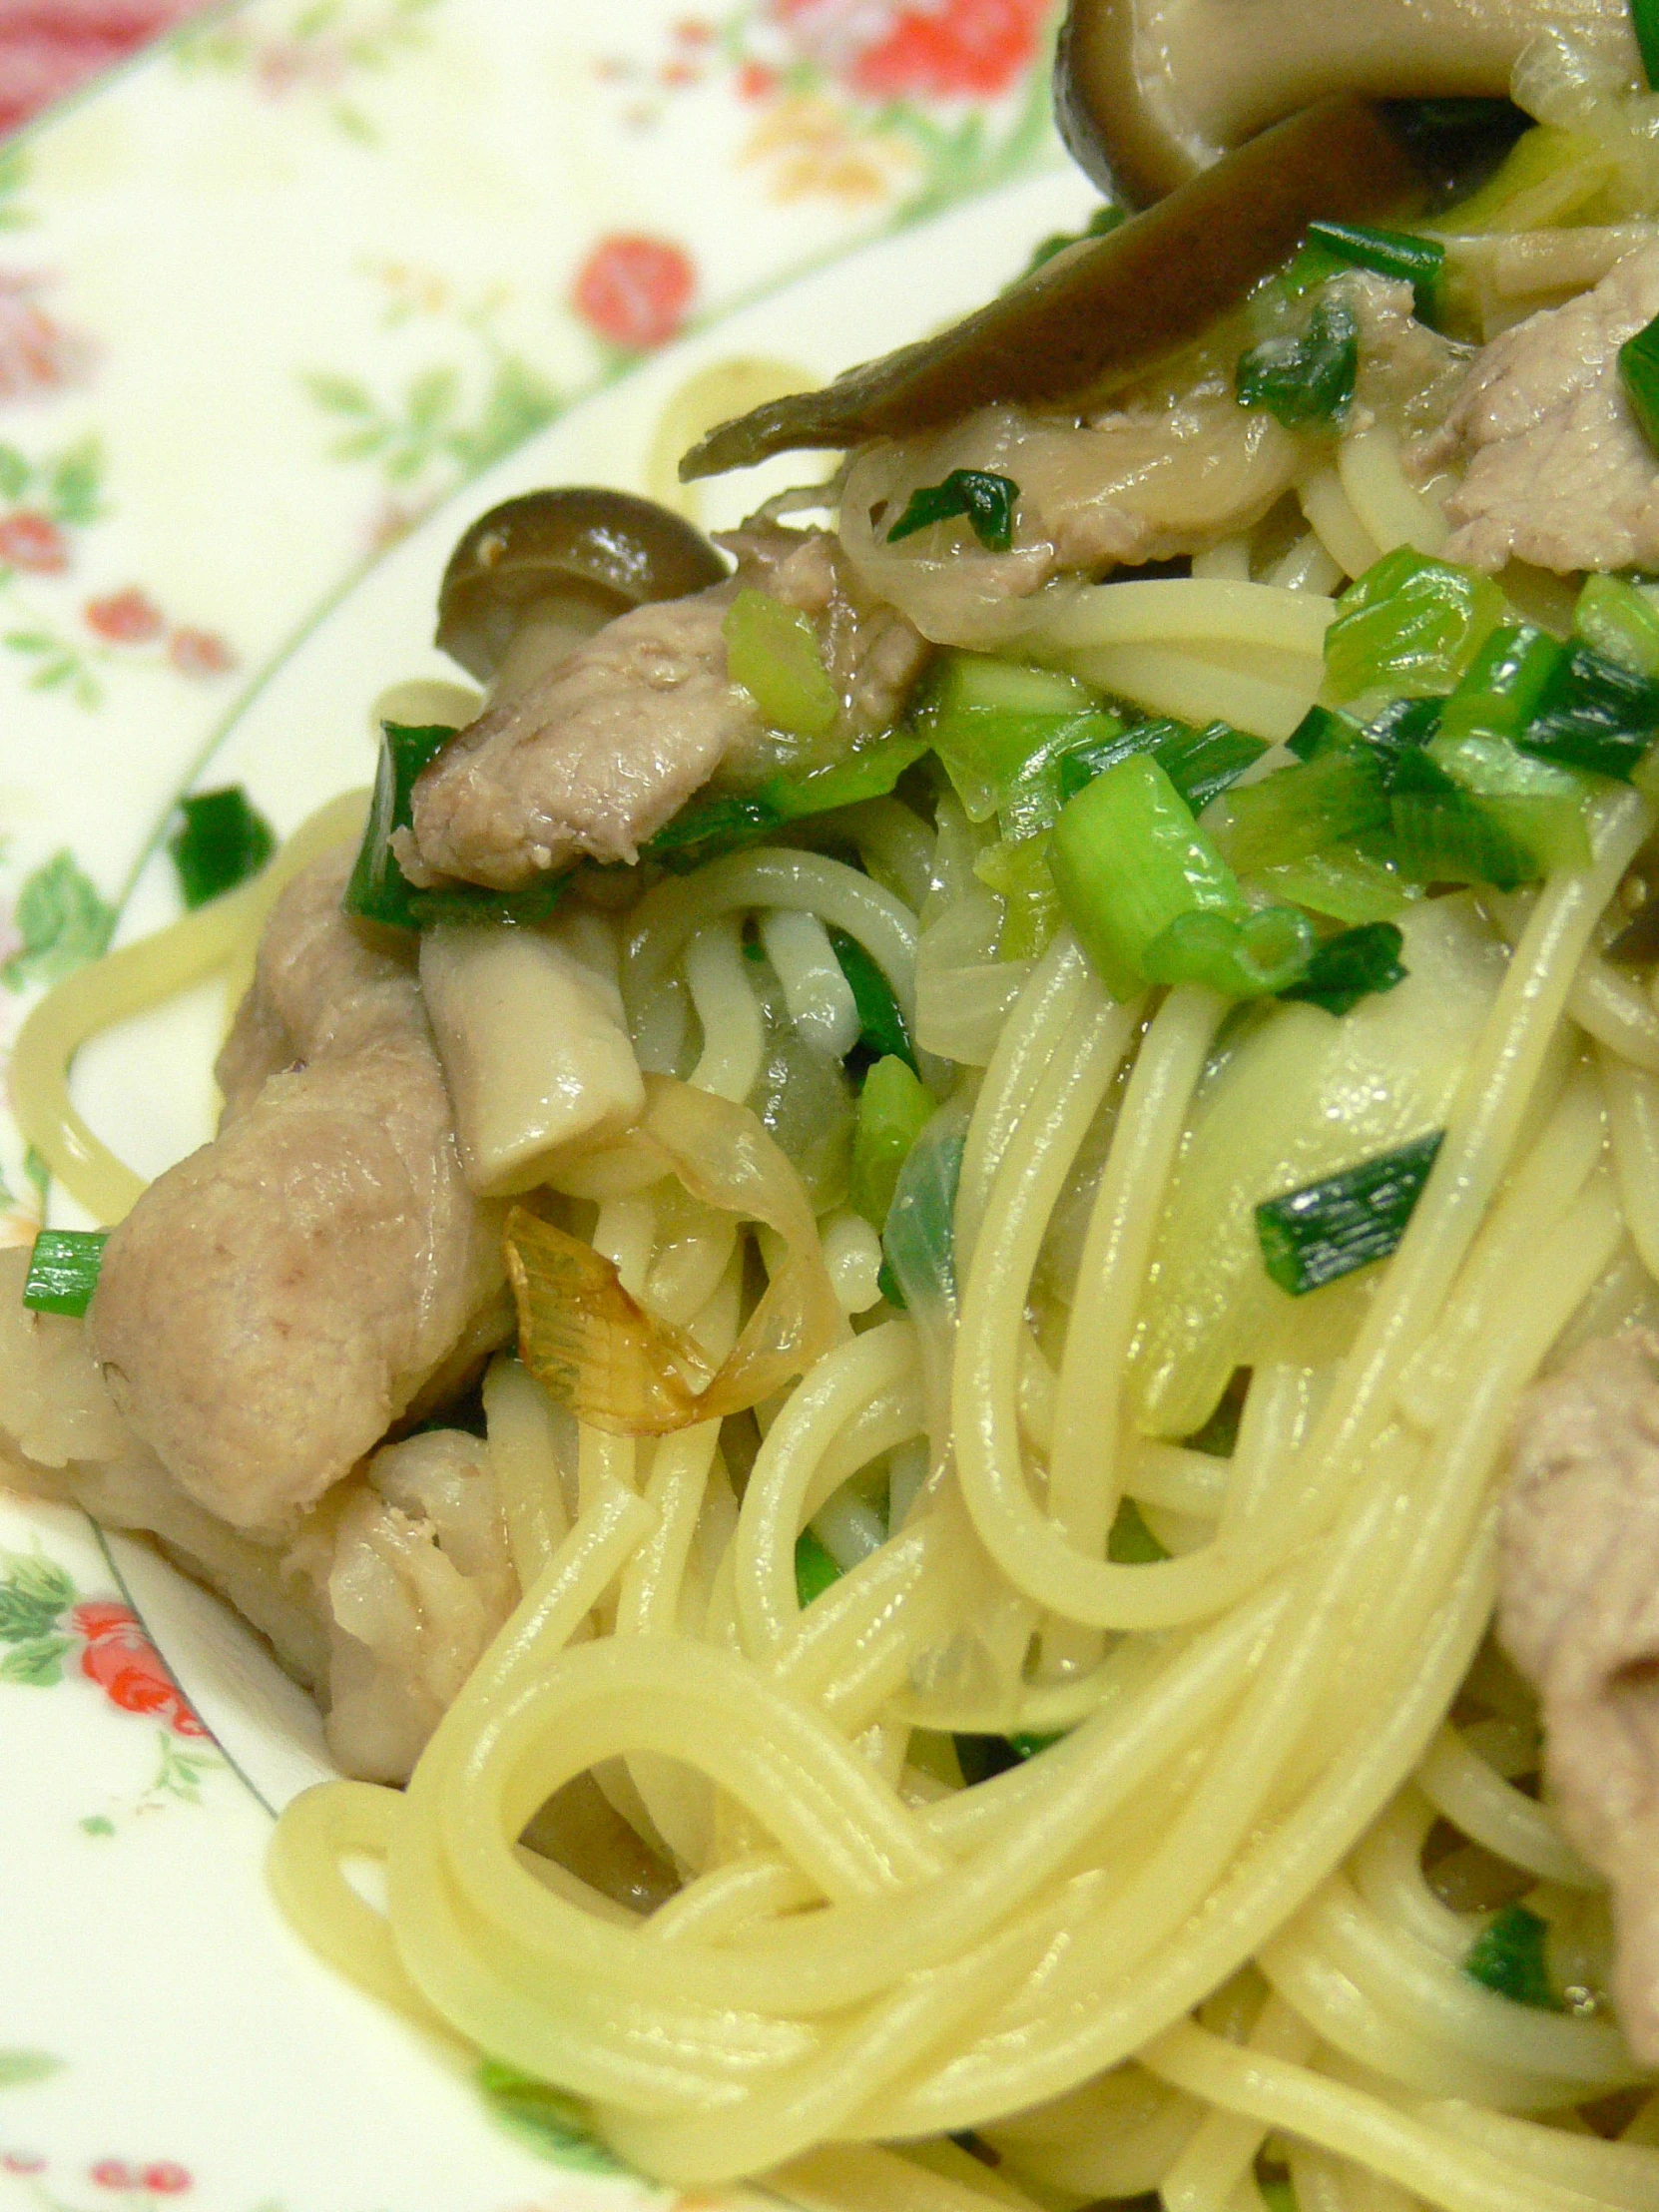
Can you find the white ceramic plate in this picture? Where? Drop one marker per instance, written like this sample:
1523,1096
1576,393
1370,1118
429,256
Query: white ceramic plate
264,303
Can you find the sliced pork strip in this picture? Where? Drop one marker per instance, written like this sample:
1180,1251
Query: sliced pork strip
1580,1612
1559,472
592,757
277,1298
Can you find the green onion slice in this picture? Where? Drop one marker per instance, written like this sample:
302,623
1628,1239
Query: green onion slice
815,1570
1331,1228
223,841
1404,254
772,651
1303,380
1644,16
1593,714
1509,1958
1251,955
722,822
883,1032
1354,965
986,500
1407,628
378,891
1639,374
62,1271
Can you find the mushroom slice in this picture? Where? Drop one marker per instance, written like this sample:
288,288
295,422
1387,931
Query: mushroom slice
1150,92
1097,316
535,576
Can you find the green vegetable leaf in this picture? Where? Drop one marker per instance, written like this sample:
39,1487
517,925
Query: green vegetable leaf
1509,1958
1131,1543
1328,1229
815,1570
37,1663
1351,967
882,1030
223,841
63,922
1303,380
986,500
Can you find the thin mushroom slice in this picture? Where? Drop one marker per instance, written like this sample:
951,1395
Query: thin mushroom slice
1100,314
1150,92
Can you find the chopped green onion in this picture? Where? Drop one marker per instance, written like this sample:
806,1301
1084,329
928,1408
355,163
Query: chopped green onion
1503,685
1644,17
882,1030
1306,380
815,1570
1639,374
1128,859
1440,833
1542,807
1509,1958
1355,965
722,822
1336,795
1339,880
1131,1543
1400,727
62,1271
986,500
1201,764
1409,627
893,1109
1399,253
1251,955
773,652
378,891
223,841
982,1757
1329,1229
1320,728
1595,715
888,1283
1621,622
1103,220
1018,872
1003,731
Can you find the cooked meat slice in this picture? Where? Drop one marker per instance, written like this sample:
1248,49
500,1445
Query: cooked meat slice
1579,1612
873,653
592,759
381,1601
277,1298
1559,472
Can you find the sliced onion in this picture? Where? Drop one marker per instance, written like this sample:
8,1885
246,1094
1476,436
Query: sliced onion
618,1367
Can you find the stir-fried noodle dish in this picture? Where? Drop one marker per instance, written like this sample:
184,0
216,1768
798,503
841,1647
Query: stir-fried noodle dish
930,1291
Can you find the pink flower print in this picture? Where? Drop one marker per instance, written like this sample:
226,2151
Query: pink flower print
34,542
166,2180
49,48
200,652
36,353
927,50
125,618
21,2162
635,291
111,2173
756,82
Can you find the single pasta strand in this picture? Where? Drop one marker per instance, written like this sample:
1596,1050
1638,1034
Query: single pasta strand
520,1423
1191,612
1223,2150
1458,1783
1331,515
1391,509
1632,1097
734,1031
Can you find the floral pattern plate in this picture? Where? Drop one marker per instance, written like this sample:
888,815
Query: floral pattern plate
281,308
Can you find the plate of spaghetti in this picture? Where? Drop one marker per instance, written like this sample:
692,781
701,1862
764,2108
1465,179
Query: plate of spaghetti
902,1388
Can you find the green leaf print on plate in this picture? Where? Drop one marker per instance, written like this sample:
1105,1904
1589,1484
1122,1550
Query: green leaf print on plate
63,920
20,2067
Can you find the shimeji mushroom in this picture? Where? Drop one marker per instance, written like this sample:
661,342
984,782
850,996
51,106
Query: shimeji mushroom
535,576
1094,317
1150,92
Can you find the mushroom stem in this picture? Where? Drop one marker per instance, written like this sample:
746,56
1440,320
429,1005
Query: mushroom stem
548,632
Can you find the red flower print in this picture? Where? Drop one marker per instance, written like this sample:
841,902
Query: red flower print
33,541
167,2179
635,291
21,2162
125,618
36,353
128,1668
110,2173
691,30
755,81
49,49
200,652
925,50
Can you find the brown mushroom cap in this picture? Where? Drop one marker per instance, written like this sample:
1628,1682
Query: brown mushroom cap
597,551
1093,318
1149,92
